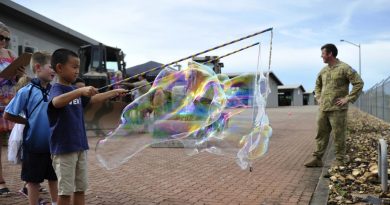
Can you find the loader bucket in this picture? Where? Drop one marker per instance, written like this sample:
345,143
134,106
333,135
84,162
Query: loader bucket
102,118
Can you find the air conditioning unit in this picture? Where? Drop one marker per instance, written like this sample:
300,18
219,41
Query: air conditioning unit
25,49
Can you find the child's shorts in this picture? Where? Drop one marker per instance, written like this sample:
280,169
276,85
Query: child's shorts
36,167
71,170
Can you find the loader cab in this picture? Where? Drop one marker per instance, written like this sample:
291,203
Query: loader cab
212,61
97,62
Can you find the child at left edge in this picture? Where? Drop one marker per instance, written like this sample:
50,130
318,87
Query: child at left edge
32,101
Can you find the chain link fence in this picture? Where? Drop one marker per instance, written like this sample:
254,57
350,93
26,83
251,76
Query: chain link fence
376,100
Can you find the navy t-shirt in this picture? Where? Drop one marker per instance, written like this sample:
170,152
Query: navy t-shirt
67,123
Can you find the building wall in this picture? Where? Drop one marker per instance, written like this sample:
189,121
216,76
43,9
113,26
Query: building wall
272,100
27,35
311,100
297,97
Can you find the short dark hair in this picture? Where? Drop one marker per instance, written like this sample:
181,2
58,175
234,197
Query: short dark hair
61,56
330,48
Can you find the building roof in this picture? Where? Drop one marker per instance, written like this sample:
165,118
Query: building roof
271,75
309,93
143,68
30,17
291,87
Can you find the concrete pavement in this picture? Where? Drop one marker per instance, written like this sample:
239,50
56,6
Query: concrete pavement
168,176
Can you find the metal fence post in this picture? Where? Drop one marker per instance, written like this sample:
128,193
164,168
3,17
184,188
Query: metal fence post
383,164
383,100
376,100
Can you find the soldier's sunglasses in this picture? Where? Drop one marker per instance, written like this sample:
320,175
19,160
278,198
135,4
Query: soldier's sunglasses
4,38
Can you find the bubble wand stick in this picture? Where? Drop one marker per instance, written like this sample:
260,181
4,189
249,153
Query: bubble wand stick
218,58
185,58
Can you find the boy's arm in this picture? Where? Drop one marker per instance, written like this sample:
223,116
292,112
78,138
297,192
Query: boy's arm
17,106
64,99
107,95
15,119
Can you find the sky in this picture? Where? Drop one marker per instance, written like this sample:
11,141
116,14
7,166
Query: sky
167,30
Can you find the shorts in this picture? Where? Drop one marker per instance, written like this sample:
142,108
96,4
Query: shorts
71,170
36,167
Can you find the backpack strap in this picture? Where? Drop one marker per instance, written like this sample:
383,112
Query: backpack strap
45,94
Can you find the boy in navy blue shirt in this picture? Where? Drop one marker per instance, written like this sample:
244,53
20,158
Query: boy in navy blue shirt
68,142
32,101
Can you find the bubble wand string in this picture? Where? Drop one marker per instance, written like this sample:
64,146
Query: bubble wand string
185,58
210,61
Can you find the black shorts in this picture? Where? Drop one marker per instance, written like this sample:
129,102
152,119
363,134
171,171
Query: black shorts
37,167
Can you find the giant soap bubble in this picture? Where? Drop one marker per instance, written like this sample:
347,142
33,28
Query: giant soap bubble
198,108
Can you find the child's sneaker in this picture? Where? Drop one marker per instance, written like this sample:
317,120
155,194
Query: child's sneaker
43,202
4,191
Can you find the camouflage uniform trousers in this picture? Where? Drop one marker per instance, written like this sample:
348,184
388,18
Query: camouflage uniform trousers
335,122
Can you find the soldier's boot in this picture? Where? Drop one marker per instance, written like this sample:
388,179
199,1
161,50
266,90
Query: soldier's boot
315,162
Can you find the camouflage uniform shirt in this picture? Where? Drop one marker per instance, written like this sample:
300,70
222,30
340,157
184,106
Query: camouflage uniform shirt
333,82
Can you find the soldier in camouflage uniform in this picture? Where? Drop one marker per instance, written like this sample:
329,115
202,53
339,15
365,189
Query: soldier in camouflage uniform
331,92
